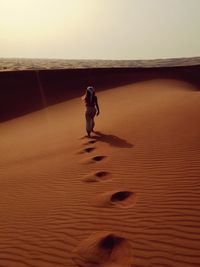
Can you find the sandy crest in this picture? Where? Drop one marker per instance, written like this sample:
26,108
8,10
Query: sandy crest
127,197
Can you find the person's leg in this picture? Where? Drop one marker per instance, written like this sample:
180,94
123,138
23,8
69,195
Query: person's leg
88,121
88,125
93,124
89,115
93,115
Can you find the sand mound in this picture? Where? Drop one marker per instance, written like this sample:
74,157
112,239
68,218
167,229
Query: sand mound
104,249
145,195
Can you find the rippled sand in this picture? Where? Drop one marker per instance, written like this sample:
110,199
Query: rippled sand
129,196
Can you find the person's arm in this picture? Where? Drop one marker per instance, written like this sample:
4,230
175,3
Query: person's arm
97,106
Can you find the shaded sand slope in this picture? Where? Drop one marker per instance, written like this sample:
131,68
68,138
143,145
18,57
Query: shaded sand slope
23,92
127,197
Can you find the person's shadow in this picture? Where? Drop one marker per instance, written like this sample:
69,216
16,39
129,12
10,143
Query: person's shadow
112,140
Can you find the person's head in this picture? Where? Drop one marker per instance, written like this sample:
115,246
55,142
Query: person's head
90,89
89,94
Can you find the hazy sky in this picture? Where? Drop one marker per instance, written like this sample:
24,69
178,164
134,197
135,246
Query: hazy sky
99,29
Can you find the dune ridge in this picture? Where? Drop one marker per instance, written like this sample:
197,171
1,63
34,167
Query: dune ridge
23,92
147,137
15,64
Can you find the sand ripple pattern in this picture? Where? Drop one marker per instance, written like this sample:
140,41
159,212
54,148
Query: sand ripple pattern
139,206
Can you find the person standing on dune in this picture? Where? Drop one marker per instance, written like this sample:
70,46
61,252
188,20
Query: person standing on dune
92,108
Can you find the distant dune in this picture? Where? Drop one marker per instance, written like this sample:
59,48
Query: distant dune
128,196
15,64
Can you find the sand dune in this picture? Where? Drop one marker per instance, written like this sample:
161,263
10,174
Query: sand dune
127,197
15,64
23,92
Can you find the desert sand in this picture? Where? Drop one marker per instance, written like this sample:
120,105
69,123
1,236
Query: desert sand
129,196
16,64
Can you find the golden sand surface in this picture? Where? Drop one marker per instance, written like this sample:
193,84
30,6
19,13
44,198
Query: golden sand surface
129,196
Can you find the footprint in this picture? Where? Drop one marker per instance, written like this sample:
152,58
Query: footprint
86,150
120,196
102,174
89,149
105,249
98,158
97,177
121,199
91,142
93,159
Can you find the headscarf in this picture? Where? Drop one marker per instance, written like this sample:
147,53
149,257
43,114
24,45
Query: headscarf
91,90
